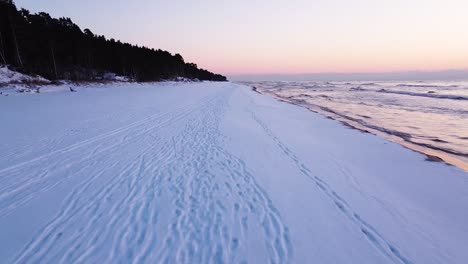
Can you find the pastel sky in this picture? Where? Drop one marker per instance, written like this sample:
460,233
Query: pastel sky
288,36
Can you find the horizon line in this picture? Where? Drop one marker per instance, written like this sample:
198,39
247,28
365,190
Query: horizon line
355,72
453,74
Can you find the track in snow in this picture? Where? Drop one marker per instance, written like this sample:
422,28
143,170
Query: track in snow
213,173
178,198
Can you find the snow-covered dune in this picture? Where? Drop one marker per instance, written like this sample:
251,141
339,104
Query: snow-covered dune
10,77
213,173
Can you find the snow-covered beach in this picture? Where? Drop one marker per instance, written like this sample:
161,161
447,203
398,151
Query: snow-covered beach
213,173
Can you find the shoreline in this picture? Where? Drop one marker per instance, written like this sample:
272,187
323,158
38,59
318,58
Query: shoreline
139,158
432,154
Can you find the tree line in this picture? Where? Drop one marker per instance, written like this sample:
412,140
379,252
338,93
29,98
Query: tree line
59,49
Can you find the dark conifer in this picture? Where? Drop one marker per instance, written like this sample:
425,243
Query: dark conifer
59,49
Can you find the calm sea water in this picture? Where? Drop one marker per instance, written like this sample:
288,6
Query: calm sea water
430,115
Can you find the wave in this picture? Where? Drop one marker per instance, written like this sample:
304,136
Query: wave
428,94
357,89
403,135
315,86
427,86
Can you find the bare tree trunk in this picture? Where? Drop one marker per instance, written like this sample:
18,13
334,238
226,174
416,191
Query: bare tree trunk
2,51
53,61
17,54
134,77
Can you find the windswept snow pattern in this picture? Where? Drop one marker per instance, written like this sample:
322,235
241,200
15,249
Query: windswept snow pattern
212,173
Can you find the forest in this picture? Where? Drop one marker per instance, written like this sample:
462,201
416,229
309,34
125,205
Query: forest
56,48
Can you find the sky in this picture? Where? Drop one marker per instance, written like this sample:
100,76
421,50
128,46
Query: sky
260,37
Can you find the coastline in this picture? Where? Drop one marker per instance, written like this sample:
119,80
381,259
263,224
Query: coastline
432,154
134,159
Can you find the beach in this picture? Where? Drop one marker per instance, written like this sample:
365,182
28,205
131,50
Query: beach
212,172
430,117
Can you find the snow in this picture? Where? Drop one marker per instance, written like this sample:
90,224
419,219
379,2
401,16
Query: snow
8,76
110,76
213,173
15,82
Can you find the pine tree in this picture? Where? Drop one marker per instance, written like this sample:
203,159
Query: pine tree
59,49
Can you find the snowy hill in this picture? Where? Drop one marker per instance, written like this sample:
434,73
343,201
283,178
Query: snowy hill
15,82
213,173
8,77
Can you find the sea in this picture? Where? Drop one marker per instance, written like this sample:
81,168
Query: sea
427,116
